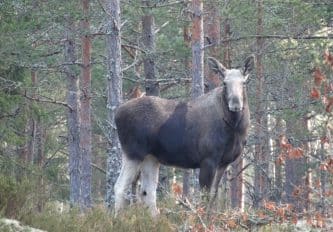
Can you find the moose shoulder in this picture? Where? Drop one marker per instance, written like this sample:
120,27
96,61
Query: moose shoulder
207,133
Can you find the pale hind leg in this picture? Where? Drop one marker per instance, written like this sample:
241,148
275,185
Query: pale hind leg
149,180
129,171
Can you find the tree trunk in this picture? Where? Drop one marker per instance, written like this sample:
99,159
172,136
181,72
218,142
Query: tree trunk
278,180
72,115
114,95
148,37
187,66
152,86
212,35
40,156
85,111
261,172
197,49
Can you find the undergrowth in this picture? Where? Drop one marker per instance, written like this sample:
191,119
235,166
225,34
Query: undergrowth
18,200
173,217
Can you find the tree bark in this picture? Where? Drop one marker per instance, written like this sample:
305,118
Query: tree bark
213,37
197,49
261,186
187,66
148,37
72,114
85,111
114,95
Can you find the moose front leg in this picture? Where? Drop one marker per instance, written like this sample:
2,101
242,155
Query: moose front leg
215,185
207,172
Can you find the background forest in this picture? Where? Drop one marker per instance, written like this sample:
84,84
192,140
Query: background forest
66,65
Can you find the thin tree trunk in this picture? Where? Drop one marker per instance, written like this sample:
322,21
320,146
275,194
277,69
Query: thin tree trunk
85,110
114,95
278,181
323,181
33,122
261,172
40,156
187,64
72,115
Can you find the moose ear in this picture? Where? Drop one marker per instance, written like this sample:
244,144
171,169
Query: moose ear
216,66
248,65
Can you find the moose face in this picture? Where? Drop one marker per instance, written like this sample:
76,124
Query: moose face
234,81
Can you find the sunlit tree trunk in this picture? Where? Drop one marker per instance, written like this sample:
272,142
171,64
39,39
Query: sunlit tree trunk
114,95
85,109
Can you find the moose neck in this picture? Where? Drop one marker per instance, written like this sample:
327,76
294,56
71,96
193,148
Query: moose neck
235,120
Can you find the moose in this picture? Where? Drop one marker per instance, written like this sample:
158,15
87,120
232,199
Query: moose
208,133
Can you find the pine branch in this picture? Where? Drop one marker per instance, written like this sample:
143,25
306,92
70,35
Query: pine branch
52,101
280,37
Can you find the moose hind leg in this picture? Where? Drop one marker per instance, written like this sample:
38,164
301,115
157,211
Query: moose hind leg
149,181
128,172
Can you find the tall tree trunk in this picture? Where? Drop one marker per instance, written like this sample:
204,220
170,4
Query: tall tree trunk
197,49
40,156
85,109
33,124
278,180
114,95
187,66
228,188
72,114
212,34
261,172
148,37
152,86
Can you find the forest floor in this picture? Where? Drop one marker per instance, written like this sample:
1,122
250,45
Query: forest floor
173,217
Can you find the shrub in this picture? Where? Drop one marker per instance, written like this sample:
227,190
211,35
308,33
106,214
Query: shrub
14,196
